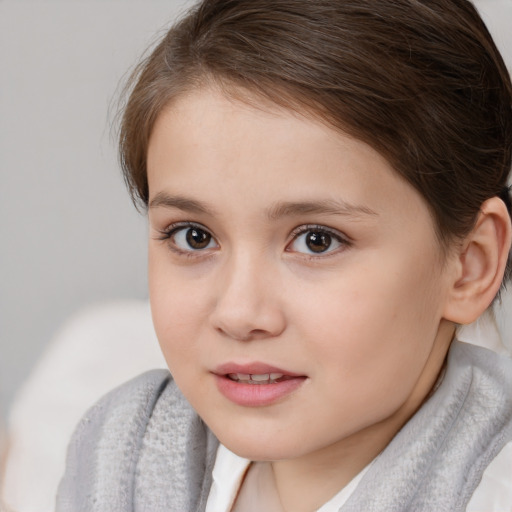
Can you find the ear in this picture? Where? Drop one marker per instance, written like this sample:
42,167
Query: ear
480,264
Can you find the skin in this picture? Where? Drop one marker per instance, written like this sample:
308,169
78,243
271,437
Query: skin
363,322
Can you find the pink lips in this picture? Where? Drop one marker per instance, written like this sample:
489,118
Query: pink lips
249,393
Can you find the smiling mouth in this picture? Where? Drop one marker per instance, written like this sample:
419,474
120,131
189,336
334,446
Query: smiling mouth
256,384
264,378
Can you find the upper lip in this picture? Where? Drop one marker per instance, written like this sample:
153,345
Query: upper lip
255,368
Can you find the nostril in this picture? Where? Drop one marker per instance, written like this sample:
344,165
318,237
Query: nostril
253,334
258,332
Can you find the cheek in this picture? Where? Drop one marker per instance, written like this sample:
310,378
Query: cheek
377,324
177,308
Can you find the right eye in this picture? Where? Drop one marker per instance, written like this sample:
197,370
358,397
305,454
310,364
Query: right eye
190,238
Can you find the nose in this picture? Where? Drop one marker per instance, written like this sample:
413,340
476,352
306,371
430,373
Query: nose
247,304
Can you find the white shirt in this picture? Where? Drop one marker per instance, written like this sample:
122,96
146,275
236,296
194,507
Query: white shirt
228,474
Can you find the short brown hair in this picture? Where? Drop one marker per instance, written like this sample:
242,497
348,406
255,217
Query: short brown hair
421,81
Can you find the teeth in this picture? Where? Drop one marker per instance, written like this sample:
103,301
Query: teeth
264,378
260,378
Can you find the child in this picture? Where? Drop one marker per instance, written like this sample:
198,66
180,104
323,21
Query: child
326,189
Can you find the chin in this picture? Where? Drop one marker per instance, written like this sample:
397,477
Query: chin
261,447
257,452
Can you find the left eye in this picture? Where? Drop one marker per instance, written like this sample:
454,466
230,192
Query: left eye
192,238
315,241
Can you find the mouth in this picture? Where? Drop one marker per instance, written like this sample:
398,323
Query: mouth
263,378
256,384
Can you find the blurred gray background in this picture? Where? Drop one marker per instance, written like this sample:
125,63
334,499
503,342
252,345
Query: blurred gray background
69,234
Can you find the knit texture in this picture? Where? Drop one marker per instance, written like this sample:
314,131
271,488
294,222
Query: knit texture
437,460
144,449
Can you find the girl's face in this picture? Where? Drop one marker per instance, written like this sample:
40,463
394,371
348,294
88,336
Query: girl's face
296,283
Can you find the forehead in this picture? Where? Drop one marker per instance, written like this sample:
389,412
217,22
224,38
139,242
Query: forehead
208,123
231,153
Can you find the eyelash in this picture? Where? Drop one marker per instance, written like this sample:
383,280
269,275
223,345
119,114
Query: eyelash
167,234
171,230
344,241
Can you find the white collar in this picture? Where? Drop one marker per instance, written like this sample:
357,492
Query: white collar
229,471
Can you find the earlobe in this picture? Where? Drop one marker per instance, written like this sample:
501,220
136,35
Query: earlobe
480,264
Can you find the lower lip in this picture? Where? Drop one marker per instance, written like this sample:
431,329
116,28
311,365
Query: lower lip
257,395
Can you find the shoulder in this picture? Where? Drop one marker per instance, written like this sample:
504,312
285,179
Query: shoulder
105,445
439,457
492,372
141,446
125,405
494,493
483,368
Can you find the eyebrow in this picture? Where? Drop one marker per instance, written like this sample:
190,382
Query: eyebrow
325,207
181,203
275,212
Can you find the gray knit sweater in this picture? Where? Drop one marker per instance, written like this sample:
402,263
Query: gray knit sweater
142,448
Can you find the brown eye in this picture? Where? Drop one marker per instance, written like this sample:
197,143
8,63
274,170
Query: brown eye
191,238
318,241
197,238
